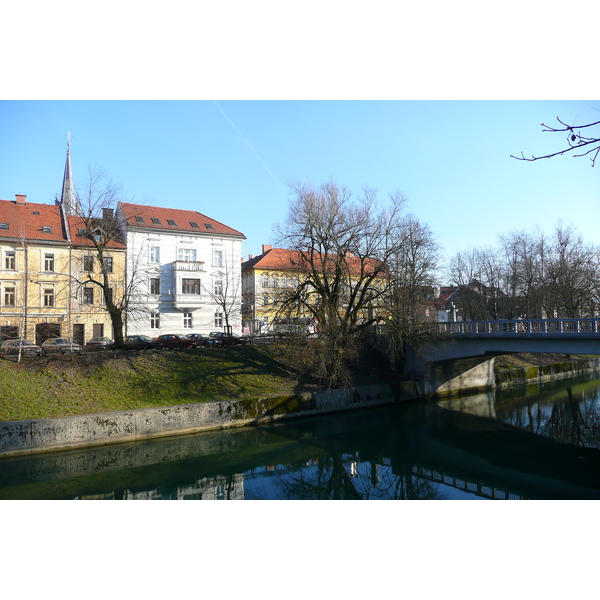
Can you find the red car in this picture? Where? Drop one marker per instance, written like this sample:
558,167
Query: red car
172,341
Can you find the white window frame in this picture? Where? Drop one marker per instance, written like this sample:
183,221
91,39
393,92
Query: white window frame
49,261
186,254
155,254
12,256
218,258
187,320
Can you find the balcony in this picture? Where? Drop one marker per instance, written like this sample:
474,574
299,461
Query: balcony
189,265
188,302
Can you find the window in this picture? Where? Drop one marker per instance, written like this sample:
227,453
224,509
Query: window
155,286
3,225
218,319
10,262
156,221
154,254
265,280
218,287
154,320
46,229
190,286
98,235
108,264
171,222
187,320
194,224
140,220
88,263
208,226
186,254
88,295
49,297
218,258
265,299
9,296
49,262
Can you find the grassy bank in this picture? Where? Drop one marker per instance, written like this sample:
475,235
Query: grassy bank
94,382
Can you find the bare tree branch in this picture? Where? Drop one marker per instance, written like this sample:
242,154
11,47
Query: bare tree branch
575,141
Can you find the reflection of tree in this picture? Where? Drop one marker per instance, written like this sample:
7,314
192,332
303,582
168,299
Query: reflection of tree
331,480
574,419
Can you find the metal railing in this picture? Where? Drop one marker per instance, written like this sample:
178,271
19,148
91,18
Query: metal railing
531,327
189,265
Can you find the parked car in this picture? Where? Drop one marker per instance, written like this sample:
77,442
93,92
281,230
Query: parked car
60,346
177,342
201,341
141,342
229,339
11,348
100,343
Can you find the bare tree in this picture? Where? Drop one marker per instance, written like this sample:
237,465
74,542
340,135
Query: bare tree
414,281
581,144
102,232
346,251
225,291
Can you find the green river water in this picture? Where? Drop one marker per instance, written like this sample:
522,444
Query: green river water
540,442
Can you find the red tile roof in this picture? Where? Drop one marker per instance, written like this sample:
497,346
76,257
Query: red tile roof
27,221
282,259
76,224
155,217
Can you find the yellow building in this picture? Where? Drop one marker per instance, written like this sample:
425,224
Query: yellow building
265,279
43,289
33,270
268,279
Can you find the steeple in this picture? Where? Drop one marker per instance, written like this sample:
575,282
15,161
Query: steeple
67,197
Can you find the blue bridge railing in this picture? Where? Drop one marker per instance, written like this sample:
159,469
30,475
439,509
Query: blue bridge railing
532,327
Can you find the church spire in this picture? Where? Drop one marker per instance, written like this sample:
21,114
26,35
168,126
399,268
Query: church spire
67,197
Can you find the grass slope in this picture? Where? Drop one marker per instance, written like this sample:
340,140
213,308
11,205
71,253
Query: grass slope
94,382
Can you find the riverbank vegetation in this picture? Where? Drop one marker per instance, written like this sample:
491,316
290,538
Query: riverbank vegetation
94,382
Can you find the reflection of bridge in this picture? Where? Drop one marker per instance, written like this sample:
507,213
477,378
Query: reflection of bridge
478,489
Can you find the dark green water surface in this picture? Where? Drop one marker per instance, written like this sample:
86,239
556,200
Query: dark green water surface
534,443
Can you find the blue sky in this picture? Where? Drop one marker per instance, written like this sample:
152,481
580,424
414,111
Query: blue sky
233,160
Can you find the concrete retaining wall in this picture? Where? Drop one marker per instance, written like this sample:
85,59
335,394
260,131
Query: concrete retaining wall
39,435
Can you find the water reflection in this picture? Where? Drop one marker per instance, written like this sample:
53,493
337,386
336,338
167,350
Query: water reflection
536,443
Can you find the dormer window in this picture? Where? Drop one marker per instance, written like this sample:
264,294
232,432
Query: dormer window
46,229
98,235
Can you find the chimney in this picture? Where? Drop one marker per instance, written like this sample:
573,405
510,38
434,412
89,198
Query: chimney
107,213
20,199
250,257
266,247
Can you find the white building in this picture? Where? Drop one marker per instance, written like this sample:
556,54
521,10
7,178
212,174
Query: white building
184,271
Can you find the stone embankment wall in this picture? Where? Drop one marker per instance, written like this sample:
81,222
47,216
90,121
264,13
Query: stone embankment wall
520,375
39,435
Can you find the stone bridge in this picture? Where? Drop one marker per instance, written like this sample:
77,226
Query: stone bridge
467,345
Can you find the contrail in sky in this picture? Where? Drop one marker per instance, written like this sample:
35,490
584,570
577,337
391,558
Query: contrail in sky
249,145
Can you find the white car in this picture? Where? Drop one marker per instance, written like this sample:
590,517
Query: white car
60,346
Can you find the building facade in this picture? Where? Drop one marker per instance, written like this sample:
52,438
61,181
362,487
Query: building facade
183,269
266,279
